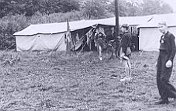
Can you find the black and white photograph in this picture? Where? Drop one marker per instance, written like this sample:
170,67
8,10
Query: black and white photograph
87,55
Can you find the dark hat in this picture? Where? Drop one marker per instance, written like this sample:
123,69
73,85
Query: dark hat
125,26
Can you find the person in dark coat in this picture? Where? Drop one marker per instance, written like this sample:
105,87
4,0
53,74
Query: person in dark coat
126,51
164,64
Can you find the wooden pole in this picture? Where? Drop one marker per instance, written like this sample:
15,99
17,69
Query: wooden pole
117,18
117,34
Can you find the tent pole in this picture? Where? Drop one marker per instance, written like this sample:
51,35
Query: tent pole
117,35
117,18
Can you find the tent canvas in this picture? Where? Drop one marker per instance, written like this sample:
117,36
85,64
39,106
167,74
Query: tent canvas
44,36
149,35
149,38
50,36
41,42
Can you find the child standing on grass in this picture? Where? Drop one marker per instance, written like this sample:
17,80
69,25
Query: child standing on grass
126,51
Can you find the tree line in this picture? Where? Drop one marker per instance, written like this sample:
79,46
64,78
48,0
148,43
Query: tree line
16,15
91,8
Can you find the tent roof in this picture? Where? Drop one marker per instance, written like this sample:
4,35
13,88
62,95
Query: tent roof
170,19
134,20
53,27
75,25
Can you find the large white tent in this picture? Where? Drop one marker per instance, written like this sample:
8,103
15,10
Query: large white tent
51,36
46,36
149,34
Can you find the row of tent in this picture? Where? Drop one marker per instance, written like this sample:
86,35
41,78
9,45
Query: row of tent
52,36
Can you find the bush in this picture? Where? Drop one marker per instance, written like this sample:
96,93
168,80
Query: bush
39,18
8,26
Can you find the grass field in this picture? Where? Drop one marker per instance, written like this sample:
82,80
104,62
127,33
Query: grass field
45,81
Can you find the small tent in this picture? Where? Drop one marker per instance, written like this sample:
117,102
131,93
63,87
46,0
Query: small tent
149,34
52,36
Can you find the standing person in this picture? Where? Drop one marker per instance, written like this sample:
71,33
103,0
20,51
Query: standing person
68,43
126,51
165,64
116,43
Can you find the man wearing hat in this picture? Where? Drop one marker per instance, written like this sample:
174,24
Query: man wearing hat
126,51
164,65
